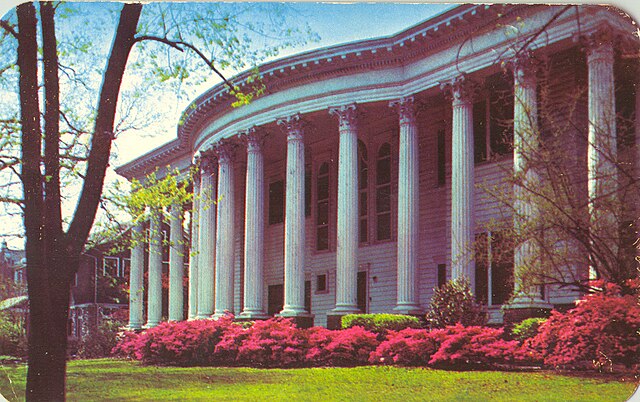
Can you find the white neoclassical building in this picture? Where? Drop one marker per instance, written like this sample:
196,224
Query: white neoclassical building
361,179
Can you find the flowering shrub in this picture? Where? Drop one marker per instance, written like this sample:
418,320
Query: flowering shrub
127,345
526,329
178,343
350,347
272,343
409,347
318,338
602,330
477,346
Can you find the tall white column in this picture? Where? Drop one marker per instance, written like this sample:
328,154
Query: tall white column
294,237
176,265
254,229
462,182
136,282
602,147
347,235
407,301
225,238
526,142
206,236
154,292
193,252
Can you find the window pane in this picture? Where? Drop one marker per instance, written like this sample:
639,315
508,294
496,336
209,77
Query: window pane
322,238
364,227
383,170
383,199
480,131
323,187
276,202
441,159
324,169
321,283
364,207
363,179
323,213
385,150
482,266
307,193
384,227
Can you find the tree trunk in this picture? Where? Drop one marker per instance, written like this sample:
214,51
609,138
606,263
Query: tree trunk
52,256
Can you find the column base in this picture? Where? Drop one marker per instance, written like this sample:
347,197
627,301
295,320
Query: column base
334,317
150,325
252,316
409,309
218,315
134,326
301,320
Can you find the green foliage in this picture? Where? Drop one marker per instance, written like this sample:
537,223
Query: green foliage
454,303
100,343
380,323
527,328
13,335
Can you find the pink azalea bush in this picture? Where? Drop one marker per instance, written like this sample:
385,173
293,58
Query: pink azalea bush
350,347
408,347
272,343
602,330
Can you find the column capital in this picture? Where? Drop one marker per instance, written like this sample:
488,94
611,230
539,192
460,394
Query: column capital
208,162
460,90
293,126
347,115
406,109
224,150
253,138
599,44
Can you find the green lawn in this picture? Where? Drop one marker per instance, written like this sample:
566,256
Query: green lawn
116,380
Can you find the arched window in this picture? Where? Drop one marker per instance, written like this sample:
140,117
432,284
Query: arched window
322,210
383,192
363,199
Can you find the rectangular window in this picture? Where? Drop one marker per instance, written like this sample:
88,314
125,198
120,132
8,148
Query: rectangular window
383,193
276,202
441,158
480,131
493,119
307,192
322,208
442,274
494,268
307,296
110,266
321,284
125,267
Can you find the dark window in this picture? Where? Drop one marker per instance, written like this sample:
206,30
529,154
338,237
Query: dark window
362,291
322,212
383,192
276,202
307,296
625,94
441,158
110,266
480,131
494,268
442,274
363,183
275,299
307,192
125,267
321,283
493,119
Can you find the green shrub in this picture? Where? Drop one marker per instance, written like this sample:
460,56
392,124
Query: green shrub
100,343
380,323
454,303
13,337
526,328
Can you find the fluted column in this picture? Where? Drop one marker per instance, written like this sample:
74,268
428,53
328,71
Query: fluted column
294,237
526,142
602,147
206,236
407,300
193,252
225,238
462,181
176,265
154,292
254,229
347,228
136,282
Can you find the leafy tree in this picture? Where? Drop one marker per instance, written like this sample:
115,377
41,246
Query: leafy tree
65,111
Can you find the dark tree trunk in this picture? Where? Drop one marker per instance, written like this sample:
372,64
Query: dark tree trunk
53,256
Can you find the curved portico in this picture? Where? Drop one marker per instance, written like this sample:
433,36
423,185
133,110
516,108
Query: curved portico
321,199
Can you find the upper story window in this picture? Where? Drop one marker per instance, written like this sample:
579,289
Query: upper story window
322,207
441,153
493,119
276,202
363,199
111,266
383,192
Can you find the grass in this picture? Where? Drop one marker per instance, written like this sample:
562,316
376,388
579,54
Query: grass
117,380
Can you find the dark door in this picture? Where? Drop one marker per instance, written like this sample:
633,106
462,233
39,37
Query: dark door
362,291
275,299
